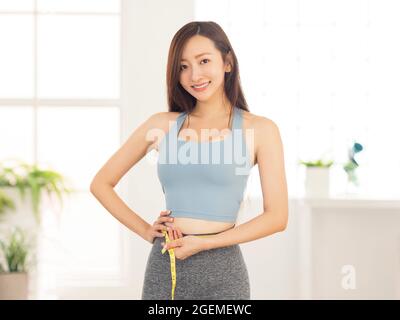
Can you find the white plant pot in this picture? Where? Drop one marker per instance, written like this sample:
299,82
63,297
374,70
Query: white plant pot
14,286
24,218
317,182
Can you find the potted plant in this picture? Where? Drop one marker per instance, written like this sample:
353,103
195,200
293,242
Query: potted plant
350,168
317,178
14,254
21,189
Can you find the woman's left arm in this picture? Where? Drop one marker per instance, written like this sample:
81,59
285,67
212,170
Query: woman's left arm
271,165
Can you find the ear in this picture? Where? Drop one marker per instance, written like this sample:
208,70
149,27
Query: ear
229,62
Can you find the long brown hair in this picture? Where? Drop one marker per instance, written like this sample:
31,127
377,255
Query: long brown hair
178,98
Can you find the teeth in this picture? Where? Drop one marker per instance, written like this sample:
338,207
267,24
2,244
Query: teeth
201,86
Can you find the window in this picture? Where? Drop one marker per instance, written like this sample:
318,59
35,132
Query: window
323,72
60,107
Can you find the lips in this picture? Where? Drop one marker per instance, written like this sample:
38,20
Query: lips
200,85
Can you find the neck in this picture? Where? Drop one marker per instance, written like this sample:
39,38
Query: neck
212,109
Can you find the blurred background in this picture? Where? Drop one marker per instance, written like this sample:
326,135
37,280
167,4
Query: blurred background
77,77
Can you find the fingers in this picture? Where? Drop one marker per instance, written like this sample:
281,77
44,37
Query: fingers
174,233
157,230
160,227
171,234
180,235
164,217
168,224
171,245
165,212
165,222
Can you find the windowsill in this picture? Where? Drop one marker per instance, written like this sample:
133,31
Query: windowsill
349,201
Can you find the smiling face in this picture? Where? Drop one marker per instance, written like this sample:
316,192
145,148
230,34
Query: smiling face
201,64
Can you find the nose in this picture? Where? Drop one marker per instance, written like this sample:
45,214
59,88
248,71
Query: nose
196,74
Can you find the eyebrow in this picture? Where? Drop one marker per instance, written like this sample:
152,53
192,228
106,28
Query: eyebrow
199,55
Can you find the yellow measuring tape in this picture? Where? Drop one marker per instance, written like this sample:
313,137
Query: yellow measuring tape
172,259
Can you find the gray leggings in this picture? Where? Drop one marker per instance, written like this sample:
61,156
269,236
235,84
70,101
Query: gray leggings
215,274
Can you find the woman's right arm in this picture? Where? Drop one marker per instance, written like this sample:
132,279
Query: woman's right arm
134,149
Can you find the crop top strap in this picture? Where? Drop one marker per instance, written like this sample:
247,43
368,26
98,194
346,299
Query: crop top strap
237,118
179,122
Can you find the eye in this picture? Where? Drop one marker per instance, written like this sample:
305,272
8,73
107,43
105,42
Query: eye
182,65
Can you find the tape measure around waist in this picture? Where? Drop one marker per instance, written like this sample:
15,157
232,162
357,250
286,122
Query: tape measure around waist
172,261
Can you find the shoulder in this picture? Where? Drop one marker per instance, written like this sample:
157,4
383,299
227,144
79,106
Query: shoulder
161,123
161,120
260,124
161,116
266,131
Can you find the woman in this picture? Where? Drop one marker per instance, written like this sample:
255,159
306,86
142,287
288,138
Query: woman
204,260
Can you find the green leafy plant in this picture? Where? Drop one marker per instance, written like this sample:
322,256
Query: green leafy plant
15,252
317,163
5,203
351,165
24,176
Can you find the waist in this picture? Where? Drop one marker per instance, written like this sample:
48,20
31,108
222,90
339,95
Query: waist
206,234
191,226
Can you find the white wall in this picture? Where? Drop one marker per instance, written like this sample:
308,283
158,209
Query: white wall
350,248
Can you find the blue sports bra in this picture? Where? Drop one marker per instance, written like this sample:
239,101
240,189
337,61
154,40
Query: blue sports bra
204,179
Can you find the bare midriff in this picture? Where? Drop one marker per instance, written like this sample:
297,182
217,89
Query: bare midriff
198,226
